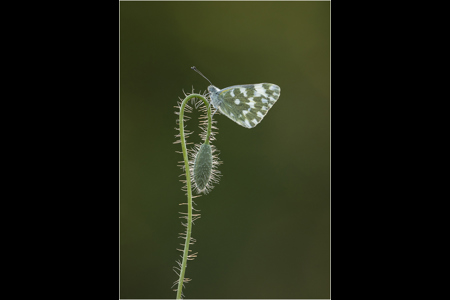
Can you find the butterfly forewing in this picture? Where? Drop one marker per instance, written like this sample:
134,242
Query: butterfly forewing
248,104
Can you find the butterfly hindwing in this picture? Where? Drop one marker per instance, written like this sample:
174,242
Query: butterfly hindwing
247,104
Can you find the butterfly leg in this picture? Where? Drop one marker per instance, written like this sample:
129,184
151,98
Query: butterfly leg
214,111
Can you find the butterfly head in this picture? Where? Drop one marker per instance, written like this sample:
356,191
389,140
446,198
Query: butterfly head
213,90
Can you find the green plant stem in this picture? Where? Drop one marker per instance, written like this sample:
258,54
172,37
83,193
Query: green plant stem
188,183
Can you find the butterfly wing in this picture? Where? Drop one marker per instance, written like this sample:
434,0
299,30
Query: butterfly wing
248,104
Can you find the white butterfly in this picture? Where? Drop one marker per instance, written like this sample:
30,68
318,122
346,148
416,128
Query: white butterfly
245,104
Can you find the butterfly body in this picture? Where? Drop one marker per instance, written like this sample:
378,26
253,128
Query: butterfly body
245,104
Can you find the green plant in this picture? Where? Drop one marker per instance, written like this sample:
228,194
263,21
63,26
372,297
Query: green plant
200,170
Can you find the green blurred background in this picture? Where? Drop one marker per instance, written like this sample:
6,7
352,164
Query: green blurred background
265,228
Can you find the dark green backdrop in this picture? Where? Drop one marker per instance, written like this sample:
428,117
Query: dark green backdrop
265,229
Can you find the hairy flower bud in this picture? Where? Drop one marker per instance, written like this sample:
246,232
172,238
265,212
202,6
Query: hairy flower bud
203,164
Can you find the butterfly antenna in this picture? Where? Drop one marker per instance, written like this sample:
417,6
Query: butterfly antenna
195,69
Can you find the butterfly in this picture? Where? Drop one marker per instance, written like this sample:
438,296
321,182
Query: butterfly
245,104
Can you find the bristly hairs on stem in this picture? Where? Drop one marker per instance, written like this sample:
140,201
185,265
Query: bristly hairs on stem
200,169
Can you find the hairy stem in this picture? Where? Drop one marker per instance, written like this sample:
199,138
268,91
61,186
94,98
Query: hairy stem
188,183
